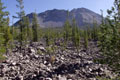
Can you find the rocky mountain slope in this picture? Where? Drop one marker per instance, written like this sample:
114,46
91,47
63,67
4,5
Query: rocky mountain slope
56,18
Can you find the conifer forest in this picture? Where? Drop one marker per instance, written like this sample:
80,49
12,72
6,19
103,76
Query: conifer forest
29,51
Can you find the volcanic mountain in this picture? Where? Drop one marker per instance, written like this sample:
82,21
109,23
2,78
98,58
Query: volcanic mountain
57,18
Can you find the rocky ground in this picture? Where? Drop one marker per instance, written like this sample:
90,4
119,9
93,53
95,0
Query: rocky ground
64,64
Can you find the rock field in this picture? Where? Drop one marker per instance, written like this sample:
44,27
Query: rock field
64,64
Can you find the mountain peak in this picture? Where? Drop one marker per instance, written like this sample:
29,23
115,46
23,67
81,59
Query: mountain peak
57,17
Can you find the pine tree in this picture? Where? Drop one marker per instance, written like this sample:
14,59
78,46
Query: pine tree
3,15
28,28
67,29
110,37
7,35
47,37
85,39
35,26
20,16
95,30
89,32
75,34
3,24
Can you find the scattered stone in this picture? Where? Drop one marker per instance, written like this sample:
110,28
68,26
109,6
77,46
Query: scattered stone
66,64
31,50
48,79
42,49
62,77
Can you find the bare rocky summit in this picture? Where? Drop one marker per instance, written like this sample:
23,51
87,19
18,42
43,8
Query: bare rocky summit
57,18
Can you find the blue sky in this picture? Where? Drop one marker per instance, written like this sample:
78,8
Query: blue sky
43,5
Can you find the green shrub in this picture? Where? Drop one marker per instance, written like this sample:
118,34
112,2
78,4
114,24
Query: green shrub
103,78
39,52
2,58
50,50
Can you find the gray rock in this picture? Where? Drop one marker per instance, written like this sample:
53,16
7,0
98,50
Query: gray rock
62,77
43,66
48,79
31,50
42,49
14,63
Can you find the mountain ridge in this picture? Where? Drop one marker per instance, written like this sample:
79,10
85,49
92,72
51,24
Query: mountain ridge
57,17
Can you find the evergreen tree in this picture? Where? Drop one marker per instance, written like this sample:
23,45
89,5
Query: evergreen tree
89,32
95,30
12,29
67,28
7,35
85,39
3,23
28,28
35,26
47,37
21,15
110,37
3,15
75,34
